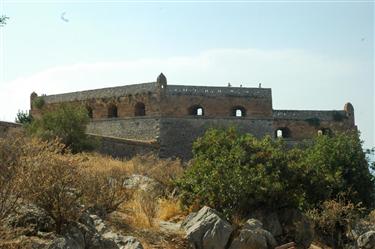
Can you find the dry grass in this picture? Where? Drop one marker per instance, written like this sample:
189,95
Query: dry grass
60,182
165,171
170,210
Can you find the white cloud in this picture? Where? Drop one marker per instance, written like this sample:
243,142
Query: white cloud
299,79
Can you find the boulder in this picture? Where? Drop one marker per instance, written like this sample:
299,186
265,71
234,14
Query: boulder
366,240
270,221
296,227
253,236
123,242
32,218
206,230
64,243
144,183
362,226
94,240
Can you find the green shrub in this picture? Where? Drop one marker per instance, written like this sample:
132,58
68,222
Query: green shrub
24,117
335,164
235,173
68,123
238,173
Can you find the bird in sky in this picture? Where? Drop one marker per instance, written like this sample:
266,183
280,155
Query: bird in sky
63,17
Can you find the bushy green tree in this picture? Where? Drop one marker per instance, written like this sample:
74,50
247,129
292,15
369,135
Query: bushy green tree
335,164
24,117
235,173
3,20
68,123
238,173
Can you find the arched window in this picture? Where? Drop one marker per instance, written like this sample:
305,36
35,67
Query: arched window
112,111
196,110
90,111
139,109
283,132
238,111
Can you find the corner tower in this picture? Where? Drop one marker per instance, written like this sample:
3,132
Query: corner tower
349,109
161,83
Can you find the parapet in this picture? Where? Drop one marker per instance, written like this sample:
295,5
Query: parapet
110,92
219,91
308,114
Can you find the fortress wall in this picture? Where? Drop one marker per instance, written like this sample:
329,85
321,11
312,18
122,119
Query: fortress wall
6,127
177,134
141,128
302,115
103,93
302,129
215,106
219,91
126,105
121,148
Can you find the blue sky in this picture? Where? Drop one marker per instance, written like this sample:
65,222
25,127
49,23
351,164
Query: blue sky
314,55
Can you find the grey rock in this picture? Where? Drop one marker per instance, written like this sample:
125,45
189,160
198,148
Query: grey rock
206,230
366,240
270,221
144,183
33,218
253,236
123,242
361,227
93,239
75,237
170,227
64,243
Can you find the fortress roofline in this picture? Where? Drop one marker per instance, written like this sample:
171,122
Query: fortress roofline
139,88
107,92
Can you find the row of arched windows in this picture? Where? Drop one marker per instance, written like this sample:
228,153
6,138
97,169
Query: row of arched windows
112,112
284,132
140,110
236,111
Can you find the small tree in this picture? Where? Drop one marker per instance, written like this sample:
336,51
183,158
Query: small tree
51,180
236,173
24,117
10,177
3,20
68,123
335,164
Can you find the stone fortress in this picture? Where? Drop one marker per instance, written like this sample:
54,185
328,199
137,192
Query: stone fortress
166,119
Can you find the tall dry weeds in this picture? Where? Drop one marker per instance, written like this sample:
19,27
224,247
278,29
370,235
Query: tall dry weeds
10,177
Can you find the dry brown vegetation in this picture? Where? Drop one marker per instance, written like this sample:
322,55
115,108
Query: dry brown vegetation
65,184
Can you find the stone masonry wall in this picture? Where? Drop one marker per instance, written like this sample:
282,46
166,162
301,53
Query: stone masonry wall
6,127
177,134
122,148
141,128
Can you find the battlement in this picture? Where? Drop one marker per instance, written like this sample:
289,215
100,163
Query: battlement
332,115
219,91
102,93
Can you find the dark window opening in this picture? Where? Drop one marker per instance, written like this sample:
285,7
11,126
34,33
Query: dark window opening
112,111
325,131
238,111
196,110
140,109
282,133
